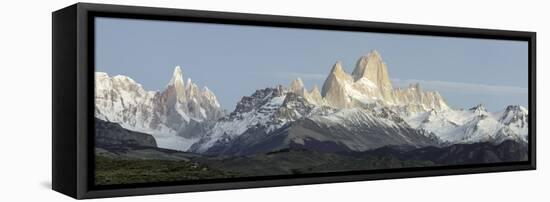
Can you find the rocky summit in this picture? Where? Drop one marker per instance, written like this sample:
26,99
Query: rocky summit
165,114
370,83
353,112
356,121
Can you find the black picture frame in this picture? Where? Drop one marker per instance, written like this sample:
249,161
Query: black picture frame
73,92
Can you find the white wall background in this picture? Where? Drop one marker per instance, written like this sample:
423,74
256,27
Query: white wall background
25,103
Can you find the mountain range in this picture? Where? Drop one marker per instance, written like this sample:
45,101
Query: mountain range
166,114
354,112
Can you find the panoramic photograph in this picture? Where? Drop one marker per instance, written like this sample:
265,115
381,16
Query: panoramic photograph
182,101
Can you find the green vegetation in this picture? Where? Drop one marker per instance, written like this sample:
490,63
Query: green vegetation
143,165
125,168
129,171
300,161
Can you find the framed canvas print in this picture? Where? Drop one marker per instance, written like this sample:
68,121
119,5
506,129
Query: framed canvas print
154,100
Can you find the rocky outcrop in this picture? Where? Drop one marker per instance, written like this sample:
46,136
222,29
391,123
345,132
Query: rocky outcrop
370,83
334,89
314,96
112,135
373,68
187,100
264,111
420,100
297,87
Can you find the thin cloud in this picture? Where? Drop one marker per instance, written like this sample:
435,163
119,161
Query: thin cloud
464,88
293,75
308,76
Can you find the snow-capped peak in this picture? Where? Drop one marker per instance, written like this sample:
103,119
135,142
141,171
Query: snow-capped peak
177,76
512,114
210,97
297,86
163,114
315,90
333,90
479,110
516,108
337,69
369,83
101,74
370,66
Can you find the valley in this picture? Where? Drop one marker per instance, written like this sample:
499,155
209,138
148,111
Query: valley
355,122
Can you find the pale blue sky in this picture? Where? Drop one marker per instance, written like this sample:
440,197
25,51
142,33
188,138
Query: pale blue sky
235,60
